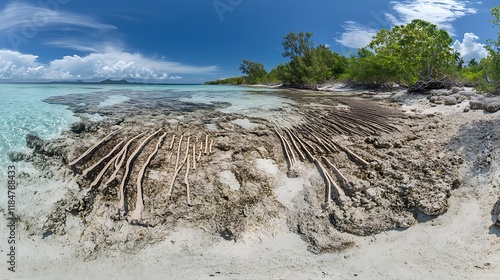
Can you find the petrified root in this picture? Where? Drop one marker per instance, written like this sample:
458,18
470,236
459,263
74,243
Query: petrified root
194,156
172,143
291,135
210,147
169,192
177,166
201,150
103,171
91,168
343,180
328,178
93,148
303,145
354,156
286,148
132,157
187,181
340,192
206,144
136,215
120,160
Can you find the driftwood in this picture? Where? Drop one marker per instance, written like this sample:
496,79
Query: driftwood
136,215
431,83
93,148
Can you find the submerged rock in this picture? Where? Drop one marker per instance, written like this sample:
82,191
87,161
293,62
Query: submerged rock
496,211
78,127
34,142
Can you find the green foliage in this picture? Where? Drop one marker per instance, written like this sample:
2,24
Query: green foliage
308,64
255,71
372,70
420,50
472,75
492,62
228,81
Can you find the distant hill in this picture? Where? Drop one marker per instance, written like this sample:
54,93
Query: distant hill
115,82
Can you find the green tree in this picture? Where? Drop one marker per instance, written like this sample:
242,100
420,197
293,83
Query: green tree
372,70
492,62
298,45
421,50
255,71
472,63
308,64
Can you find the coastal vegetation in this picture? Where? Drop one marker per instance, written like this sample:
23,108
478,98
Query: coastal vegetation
417,55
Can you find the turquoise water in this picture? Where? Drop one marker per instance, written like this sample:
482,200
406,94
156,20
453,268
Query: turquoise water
23,111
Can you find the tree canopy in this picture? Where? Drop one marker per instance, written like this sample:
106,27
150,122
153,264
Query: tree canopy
492,62
415,52
309,64
255,71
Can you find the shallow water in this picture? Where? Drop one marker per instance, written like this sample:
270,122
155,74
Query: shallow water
46,110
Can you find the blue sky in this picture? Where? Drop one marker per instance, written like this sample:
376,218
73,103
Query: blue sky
192,41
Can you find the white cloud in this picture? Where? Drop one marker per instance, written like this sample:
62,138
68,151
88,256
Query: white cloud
356,35
469,48
440,12
14,65
111,63
18,16
443,13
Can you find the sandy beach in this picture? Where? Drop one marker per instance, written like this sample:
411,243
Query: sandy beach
418,199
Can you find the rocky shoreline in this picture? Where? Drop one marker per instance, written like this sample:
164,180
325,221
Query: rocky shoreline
243,189
374,166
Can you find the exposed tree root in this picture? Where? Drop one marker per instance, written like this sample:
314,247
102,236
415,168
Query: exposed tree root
186,179
91,168
206,144
194,156
103,171
290,134
136,215
93,148
354,156
286,148
342,179
128,167
120,160
178,167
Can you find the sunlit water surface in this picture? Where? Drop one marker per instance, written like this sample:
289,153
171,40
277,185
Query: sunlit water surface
23,110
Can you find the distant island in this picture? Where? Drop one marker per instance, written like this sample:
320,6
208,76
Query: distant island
109,82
